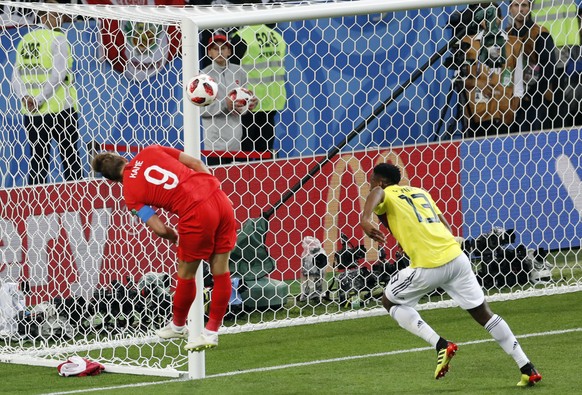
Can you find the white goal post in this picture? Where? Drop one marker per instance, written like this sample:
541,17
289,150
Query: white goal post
366,82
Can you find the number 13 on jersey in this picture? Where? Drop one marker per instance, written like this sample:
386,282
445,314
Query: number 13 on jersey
422,206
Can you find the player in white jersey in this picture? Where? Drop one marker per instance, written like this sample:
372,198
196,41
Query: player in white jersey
436,261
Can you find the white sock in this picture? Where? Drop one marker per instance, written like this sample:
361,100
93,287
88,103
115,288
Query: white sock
505,338
409,319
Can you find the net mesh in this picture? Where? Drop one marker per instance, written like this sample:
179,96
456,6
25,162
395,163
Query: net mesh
445,93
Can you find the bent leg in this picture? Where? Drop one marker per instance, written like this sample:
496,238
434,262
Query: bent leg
500,331
409,319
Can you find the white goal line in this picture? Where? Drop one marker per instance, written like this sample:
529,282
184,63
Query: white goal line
315,362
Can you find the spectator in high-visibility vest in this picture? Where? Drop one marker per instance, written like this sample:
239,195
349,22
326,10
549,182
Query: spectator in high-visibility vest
43,82
562,19
262,51
539,62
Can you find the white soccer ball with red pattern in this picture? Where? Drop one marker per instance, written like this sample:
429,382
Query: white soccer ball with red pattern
202,90
242,99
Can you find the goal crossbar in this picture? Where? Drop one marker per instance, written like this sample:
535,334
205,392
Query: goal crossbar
209,17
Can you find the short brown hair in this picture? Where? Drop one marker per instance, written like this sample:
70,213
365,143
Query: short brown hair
109,164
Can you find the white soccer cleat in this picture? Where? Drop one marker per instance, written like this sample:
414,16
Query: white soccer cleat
205,341
168,332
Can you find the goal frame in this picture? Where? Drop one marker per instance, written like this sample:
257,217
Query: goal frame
191,21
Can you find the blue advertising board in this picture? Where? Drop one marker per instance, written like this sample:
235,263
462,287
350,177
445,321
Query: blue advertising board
528,182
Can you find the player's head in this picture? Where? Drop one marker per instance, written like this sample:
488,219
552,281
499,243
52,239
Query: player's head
110,165
384,175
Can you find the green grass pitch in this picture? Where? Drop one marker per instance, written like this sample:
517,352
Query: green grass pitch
362,356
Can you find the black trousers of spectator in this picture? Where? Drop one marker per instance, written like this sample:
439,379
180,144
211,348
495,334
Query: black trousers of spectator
258,131
62,127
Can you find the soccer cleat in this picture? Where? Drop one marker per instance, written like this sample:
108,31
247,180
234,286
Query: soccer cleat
205,341
530,377
168,332
444,356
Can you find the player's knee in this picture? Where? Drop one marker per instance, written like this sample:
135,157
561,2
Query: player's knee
387,303
219,264
187,270
482,313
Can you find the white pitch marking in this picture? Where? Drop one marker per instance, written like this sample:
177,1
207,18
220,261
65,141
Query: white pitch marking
316,362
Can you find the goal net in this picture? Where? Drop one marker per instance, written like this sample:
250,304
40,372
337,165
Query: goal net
444,90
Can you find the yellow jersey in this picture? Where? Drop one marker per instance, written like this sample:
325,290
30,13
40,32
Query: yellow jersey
413,219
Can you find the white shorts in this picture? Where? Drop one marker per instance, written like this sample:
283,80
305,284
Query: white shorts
456,277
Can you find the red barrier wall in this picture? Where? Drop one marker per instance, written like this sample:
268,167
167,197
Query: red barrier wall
75,237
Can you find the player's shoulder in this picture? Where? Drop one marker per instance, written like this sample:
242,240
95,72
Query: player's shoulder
152,148
403,188
148,152
417,189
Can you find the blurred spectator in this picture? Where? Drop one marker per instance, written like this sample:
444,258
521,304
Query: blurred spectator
222,119
13,16
563,20
135,48
43,81
493,75
262,51
572,103
539,61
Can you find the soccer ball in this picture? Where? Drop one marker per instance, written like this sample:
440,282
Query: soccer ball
242,97
202,90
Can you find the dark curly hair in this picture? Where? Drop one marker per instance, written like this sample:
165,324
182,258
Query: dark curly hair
389,172
109,164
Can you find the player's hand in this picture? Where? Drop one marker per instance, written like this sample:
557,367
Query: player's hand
171,235
373,232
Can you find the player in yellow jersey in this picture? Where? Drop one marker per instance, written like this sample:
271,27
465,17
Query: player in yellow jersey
436,261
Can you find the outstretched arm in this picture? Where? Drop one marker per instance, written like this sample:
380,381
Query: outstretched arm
161,229
193,163
375,197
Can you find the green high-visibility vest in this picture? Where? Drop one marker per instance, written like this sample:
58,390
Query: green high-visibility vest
34,60
560,17
264,63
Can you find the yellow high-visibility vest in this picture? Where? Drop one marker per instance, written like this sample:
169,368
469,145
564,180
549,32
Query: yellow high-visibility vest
34,60
560,17
263,62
